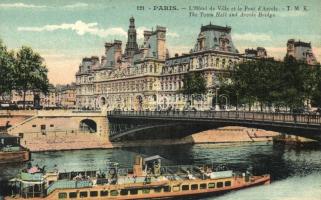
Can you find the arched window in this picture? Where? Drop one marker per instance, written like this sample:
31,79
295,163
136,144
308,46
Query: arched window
223,63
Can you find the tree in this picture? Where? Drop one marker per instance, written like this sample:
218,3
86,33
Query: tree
7,62
255,81
194,85
316,93
30,72
294,80
244,81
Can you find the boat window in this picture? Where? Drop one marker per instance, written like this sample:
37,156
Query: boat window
133,191
227,183
103,193
124,192
194,187
93,193
72,195
175,188
185,187
167,188
158,189
211,185
146,191
62,195
114,193
83,194
203,186
219,184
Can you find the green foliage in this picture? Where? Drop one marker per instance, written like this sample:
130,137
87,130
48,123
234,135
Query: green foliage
194,84
7,62
316,91
270,82
30,72
22,71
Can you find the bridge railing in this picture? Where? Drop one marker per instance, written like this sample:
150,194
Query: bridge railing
238,115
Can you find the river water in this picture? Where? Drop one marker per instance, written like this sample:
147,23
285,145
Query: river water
295,172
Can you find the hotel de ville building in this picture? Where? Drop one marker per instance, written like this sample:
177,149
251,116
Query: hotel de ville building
145,77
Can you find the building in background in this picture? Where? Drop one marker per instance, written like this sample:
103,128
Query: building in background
145,77
17,98
66,96
259,52
301,51
61,96
46,100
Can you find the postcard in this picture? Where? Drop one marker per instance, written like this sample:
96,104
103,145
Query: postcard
160,99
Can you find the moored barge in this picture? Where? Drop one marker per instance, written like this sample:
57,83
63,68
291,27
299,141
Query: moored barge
146,180
11,151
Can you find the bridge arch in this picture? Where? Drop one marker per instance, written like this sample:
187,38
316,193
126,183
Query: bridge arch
88,125
159,125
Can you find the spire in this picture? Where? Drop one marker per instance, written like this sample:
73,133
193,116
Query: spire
132,22
131,46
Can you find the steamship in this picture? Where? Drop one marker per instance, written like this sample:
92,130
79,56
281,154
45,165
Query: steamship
146,180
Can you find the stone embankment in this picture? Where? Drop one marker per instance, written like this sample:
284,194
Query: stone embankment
73,141
234,134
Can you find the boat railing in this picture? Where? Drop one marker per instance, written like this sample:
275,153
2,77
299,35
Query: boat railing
10,148
31,177
65,184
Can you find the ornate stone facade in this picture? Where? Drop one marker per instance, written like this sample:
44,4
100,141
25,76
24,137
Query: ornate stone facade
148,79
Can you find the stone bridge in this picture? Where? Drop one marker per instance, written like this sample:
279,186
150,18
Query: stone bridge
132,125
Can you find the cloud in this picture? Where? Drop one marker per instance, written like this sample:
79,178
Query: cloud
252,37
76,5
172,34
20,5
140,32
80,27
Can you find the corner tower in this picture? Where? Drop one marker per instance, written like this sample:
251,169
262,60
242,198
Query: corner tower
301,51
131,45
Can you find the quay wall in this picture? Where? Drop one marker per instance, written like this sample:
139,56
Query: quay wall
81,140
62,132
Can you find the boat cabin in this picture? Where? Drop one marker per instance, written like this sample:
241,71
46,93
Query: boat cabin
9,142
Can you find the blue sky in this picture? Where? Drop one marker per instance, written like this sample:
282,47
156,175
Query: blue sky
65,31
